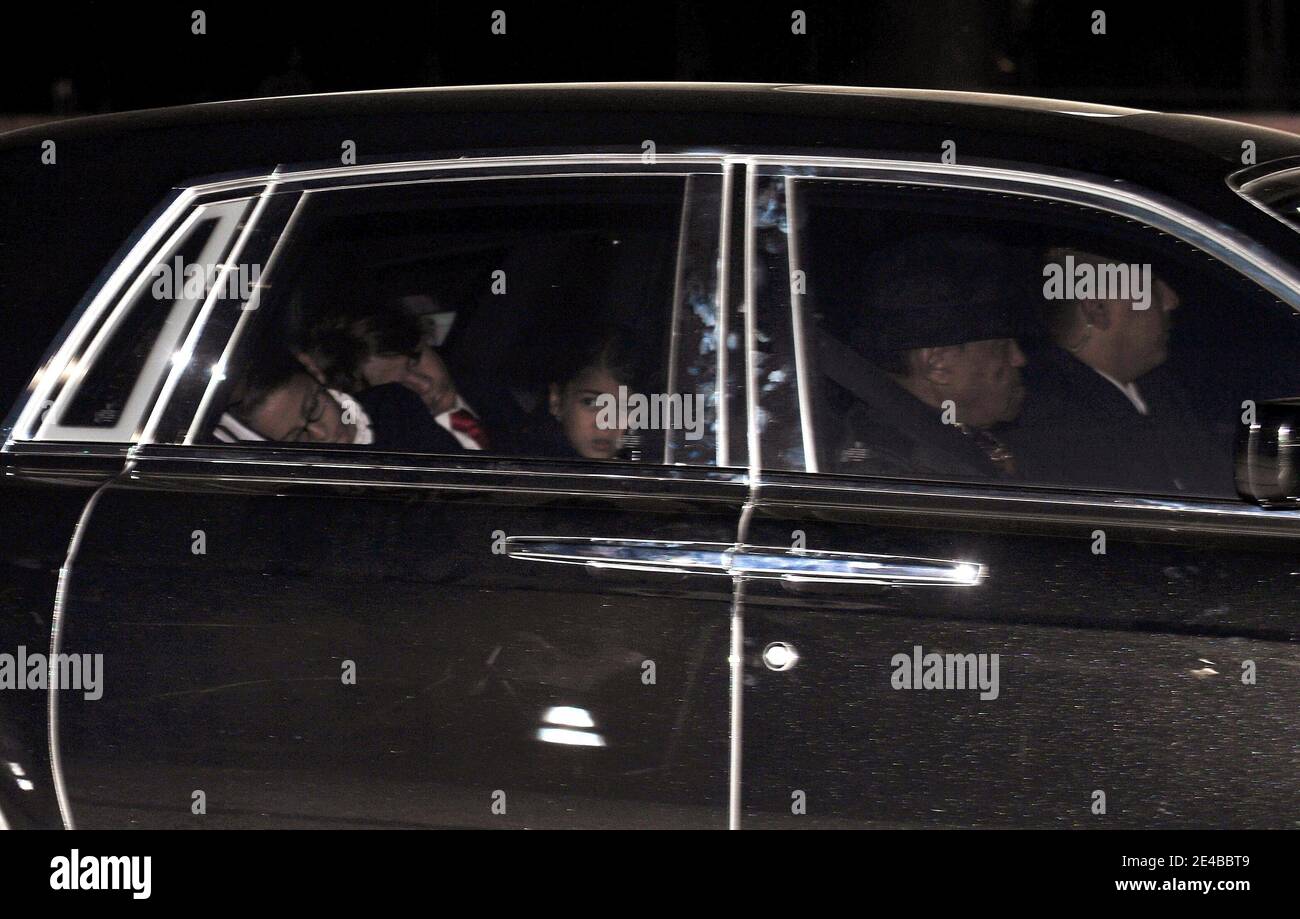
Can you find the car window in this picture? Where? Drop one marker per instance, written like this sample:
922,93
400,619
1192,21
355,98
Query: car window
557,318
113,381
957,335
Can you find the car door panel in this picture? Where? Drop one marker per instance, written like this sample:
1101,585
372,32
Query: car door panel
225,670
1121,674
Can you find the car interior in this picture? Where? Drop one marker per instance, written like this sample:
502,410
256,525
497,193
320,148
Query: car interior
1229,341
496,272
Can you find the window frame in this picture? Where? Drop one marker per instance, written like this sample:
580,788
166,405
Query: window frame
35,415
296,184
1229,247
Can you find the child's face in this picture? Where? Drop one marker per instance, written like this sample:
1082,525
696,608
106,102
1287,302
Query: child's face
302,411
577,411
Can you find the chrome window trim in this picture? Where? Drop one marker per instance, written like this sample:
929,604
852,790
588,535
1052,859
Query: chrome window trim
63,377
1236,249
325,178
50,375
752,439
991,501
722,446
179,367
343,466
218,372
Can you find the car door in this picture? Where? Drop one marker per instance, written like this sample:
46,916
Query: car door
300,636
928,652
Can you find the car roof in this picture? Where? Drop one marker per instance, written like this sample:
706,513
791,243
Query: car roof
692,109
1186,157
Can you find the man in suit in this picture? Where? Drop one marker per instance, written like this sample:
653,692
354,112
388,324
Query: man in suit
359,348
944,364
1103,411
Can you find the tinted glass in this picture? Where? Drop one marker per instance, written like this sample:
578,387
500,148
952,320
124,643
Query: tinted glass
106,386
553,318
953,335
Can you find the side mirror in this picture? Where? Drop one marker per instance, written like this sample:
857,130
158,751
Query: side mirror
1268,455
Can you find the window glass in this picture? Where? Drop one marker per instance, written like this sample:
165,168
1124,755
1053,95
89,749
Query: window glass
114,381
968,336
558,318
103,391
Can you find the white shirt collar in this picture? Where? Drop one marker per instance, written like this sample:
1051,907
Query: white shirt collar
1129,390
231,430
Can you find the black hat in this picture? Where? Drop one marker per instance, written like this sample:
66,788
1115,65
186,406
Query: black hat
935,289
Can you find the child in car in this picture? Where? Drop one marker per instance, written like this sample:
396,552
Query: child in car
576,419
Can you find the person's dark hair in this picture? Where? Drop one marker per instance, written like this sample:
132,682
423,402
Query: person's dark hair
338,342
1059,316
266,371
608,347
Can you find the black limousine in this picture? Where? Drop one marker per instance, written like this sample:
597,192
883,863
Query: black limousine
657,455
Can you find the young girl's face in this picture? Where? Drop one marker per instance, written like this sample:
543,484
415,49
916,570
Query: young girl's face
574,405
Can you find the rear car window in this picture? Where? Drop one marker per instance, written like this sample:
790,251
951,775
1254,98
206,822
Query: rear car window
558,318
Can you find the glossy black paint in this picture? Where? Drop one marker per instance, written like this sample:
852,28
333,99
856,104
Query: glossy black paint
1119,673
43,498
223,669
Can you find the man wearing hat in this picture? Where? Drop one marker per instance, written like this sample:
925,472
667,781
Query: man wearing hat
944,362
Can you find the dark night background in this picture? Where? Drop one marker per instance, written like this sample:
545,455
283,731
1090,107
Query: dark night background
1221,57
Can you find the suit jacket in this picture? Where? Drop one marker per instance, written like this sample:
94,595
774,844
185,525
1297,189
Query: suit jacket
1078,429
499,414
402,422
543,436
890,432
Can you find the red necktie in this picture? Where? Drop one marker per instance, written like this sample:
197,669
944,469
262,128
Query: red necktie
463,420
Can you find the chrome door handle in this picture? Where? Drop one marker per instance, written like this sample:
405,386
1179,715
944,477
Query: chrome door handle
769,562
626,554
815,566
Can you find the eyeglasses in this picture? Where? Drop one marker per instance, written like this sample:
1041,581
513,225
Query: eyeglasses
313,411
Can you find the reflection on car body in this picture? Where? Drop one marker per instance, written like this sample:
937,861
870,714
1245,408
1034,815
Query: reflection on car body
301,519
